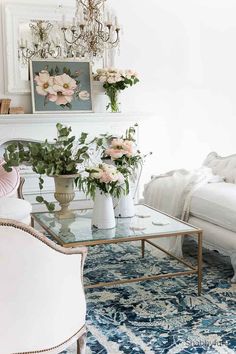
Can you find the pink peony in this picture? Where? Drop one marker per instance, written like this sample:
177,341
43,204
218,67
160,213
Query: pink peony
117,143
114,153
128,147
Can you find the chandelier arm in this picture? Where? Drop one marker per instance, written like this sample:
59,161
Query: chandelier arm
28,54
73,41
81,2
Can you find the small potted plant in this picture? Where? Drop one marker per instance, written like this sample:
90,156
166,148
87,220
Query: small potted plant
114,81
102,183
60,159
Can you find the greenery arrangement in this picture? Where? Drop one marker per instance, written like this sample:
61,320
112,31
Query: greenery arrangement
51,159
114,81
69,156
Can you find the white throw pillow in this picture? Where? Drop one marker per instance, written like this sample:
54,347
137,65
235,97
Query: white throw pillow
14,208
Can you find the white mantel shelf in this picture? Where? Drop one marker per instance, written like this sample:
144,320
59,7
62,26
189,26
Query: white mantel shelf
72,118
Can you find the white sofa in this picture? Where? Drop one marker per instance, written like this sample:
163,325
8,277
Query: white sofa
213,207
208,203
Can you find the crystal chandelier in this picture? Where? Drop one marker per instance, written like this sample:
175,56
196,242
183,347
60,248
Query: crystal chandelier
93,30
42,45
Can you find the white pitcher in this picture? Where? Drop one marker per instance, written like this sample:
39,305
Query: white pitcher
124,207
103,212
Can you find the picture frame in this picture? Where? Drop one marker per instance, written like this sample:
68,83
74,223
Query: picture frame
61,86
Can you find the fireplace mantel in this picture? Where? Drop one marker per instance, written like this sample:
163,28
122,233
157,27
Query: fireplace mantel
42,126
70,118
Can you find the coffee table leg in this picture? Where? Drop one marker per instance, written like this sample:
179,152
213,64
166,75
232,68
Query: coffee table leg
143,247
199,263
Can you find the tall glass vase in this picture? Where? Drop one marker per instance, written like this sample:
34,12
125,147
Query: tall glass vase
113,95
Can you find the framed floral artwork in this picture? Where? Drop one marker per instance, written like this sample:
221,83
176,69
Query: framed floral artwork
61,86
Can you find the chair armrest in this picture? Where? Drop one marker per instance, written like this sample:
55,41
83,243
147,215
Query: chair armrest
41,237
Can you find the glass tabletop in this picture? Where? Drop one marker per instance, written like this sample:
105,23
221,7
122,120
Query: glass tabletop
78,231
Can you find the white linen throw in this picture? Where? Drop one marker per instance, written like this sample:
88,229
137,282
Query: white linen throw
172,192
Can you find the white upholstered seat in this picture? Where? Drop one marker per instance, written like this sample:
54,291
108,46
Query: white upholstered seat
216,203
42,301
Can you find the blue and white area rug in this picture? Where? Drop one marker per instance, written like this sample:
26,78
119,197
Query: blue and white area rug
158,317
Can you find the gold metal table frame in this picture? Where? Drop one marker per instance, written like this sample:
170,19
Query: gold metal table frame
196,232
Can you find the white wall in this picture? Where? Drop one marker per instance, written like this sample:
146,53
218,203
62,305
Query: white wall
185,53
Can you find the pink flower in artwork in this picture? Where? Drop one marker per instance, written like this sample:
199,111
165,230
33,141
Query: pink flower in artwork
44,83
63,87
60,99
84,95
65,84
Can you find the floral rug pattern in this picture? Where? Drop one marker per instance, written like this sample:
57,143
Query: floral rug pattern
158,317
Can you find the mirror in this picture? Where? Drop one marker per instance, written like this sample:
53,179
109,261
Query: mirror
16,27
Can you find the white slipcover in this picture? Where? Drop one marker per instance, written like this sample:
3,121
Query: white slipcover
42,301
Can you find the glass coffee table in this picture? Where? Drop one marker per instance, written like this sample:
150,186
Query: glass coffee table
147,224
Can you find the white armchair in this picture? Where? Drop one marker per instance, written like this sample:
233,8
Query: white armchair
42,301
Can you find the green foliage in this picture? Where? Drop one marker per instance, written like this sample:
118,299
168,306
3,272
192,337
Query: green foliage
51,159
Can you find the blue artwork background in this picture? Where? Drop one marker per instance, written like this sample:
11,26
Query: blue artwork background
85,84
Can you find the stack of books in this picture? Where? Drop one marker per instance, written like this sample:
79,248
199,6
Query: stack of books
6,109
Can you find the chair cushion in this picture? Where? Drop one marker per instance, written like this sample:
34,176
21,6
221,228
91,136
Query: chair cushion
9,181
14,208
216,203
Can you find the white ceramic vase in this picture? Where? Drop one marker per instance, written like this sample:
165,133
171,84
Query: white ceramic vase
103,212
99,97
124,207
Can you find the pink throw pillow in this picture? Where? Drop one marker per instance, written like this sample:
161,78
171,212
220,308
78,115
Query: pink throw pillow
9,181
